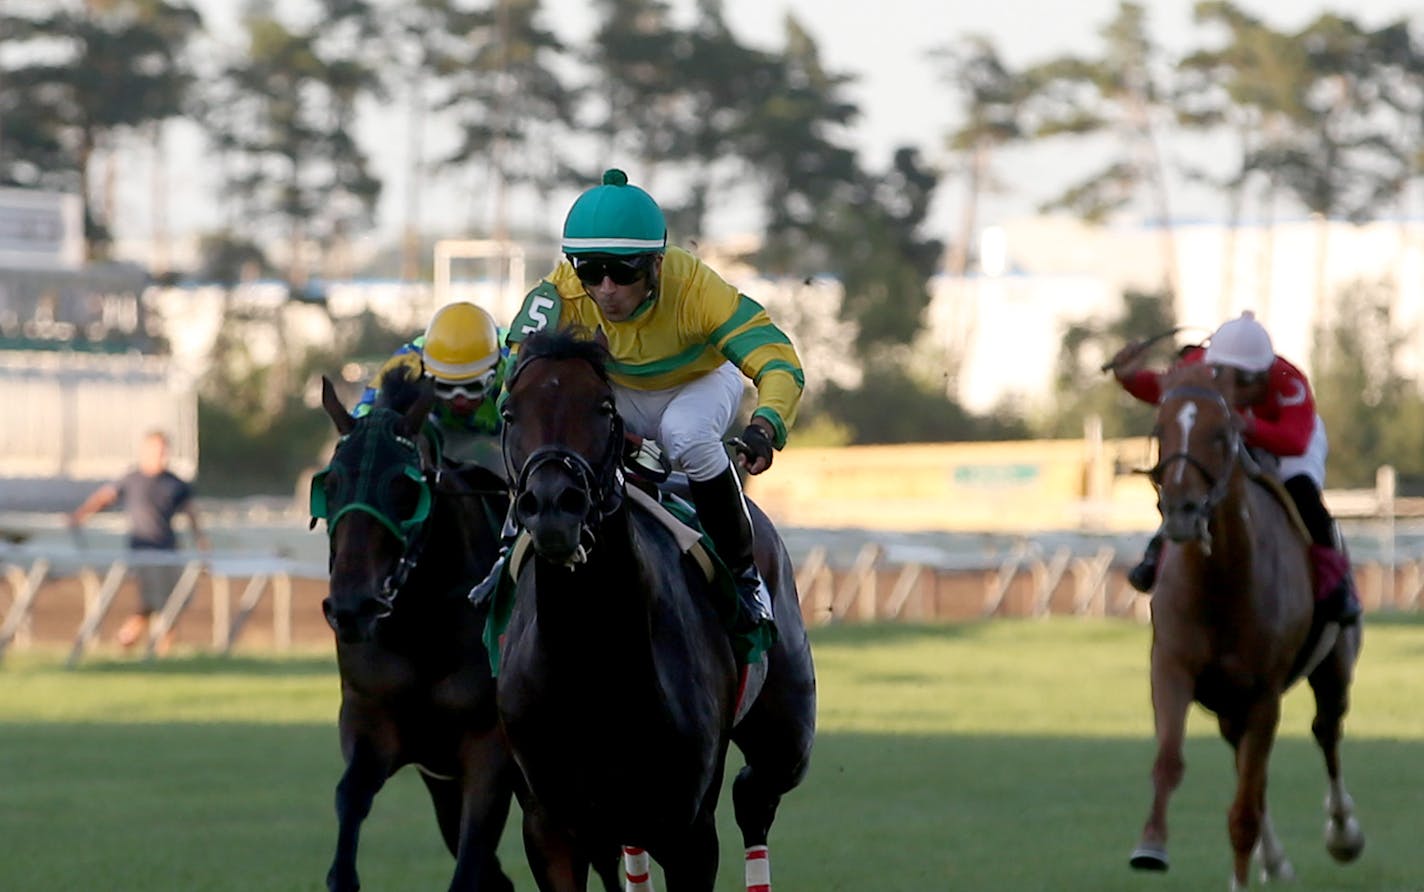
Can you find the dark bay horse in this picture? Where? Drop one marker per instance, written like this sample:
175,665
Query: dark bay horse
618,681
1232,616
408,539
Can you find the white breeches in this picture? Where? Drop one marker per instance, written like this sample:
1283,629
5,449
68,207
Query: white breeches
688,421
1311,463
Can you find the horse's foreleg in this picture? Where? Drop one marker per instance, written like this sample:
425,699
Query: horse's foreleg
487,788
1271,855
1253,753
690,864
776,739
366,772
638,869
1171,696
553,859
1330,682
754,805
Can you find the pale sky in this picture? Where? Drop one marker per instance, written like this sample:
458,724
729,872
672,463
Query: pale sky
885,43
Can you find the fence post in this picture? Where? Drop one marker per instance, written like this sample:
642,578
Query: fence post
1046,576
95,607
859,581
1386,487
282,611
906,584
222,609
997,585
1090,577
809,570
177,600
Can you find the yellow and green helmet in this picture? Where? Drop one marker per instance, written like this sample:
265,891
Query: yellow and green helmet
615,218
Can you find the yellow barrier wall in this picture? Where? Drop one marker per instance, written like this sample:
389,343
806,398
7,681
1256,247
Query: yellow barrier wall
994,487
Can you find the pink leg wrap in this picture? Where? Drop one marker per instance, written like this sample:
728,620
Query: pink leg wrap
1331,568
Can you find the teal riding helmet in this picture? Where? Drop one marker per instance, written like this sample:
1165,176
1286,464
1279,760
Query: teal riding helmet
615,218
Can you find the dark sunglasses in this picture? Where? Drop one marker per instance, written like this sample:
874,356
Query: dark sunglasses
591,271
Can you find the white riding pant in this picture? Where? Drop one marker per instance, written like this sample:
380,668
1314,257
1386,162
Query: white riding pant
1311,463
690,420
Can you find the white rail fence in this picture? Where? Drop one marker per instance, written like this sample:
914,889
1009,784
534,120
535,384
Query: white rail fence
1026,580
101,575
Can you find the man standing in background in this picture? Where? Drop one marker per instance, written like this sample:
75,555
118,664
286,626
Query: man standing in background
151,495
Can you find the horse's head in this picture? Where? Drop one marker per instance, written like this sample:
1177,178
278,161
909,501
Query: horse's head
562,443
375,497
1199,443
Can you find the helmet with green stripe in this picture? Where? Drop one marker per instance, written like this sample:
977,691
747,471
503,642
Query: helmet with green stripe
615,218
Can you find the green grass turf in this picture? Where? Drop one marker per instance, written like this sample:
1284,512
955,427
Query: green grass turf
1011,755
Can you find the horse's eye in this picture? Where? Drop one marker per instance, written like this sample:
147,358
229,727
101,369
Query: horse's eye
404,496
606,407
334,485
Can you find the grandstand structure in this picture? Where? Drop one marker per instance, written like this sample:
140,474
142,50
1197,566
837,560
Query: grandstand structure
81,365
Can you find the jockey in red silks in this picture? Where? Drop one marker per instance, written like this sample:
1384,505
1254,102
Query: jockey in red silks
1277,406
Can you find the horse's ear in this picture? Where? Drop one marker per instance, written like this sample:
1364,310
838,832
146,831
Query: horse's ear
600,338
332,403
415,415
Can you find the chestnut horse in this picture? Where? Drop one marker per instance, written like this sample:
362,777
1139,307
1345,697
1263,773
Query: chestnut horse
1232,619
408,538
618,682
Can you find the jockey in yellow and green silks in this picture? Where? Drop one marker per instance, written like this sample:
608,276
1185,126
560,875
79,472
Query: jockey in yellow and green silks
683,342
462,350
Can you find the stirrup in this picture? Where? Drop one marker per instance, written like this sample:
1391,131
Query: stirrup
755,601
484,589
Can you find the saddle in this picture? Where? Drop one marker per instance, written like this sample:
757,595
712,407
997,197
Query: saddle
1263,469
678,516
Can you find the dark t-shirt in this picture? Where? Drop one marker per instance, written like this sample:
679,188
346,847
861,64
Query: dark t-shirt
150,503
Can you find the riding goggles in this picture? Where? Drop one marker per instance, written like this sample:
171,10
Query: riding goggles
592,270
474,389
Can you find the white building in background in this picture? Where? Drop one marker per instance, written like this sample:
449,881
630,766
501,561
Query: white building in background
1043,275
999,333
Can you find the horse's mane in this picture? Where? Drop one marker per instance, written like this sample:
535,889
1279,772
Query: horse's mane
566,343
399,389
1197,374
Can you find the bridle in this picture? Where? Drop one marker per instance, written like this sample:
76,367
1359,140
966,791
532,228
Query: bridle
372,495
1218,483
602,483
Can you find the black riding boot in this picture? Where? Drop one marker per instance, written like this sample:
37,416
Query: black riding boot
724,516
1144,575
1341,603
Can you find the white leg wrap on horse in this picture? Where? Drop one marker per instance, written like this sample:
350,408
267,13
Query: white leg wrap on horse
636,870
758,869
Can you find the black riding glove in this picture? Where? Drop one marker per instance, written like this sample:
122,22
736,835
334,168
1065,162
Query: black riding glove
755,443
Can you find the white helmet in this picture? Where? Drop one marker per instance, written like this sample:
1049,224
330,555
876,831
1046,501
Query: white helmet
1241,343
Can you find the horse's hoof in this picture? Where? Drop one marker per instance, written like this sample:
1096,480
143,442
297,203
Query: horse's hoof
1149,858
1344,840
1281,872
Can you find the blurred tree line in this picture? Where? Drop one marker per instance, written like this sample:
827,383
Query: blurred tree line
1326,118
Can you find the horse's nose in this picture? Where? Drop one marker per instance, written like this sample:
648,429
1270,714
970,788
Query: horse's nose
548,502
351,624
1182,522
